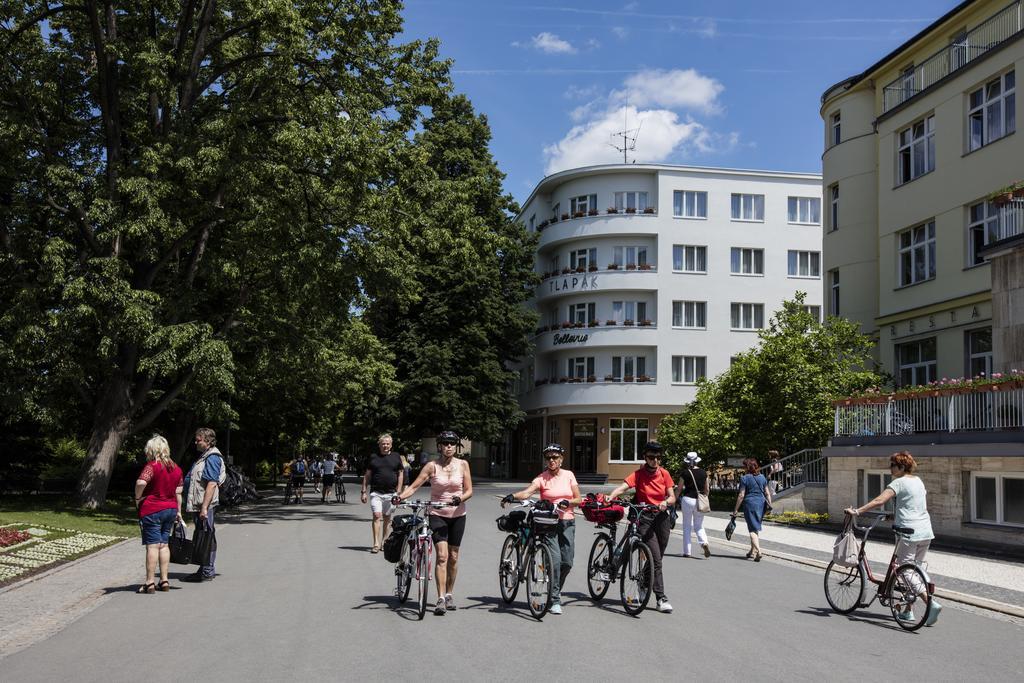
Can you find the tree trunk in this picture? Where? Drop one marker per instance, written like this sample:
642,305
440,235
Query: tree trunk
111,425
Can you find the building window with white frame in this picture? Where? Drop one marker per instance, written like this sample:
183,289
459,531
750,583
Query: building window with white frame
874,483
982,228
978,347
805,210
582,313
633,311
915,152
629,256
836,129
689,204
748,207
688,369
583,204
628,368
833,282
554,211
630,200
580,367
627,437
804,264
833,192
917,254
814,312
997,498
583,258
689,259
747,316
993,111
747,261
691,315
915,362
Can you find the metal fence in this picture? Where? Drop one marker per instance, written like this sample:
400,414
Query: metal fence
973,411
961,51
803,467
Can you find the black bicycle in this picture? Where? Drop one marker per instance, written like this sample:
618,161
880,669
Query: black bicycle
526,528
630,561
339,489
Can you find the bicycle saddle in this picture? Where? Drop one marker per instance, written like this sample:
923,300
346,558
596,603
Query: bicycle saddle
902,530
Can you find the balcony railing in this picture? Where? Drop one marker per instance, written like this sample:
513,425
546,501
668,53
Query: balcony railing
648,211
995,30
1010,223
998,408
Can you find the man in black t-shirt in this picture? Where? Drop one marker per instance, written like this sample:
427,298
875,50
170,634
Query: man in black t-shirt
383,479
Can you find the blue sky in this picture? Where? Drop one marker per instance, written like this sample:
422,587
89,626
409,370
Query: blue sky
726,83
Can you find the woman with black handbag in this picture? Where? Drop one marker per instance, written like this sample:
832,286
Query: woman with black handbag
756,500
693,485
158,499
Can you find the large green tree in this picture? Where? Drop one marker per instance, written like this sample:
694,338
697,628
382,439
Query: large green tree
176,169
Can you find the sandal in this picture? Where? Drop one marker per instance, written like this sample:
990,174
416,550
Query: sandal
750,554
757,558
149,588
164,586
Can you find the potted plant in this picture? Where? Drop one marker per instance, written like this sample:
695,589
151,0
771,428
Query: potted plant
627,323
581,269
645,323
649,210
611,209
593,323
609,322
613,266
566,270
566,325
643,378
576,380
627,378
565,216
563,380
644,266
630,210
592,267
543,224
592,212
592,378
630,266
609,378
578,323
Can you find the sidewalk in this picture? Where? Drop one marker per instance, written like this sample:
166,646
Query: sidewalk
987,583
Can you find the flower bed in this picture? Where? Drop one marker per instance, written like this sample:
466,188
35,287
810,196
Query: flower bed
9,537
41,547
997,381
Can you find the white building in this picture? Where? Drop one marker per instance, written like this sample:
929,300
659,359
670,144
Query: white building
654,276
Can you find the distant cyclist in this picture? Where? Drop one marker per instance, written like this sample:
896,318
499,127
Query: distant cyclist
558,486
298,468
450,482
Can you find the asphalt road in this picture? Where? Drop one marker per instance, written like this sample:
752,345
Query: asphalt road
300,596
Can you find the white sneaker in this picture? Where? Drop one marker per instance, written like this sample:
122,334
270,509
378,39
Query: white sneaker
449,602
555,609
664,606
439,608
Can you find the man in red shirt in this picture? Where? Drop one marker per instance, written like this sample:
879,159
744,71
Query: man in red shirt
654,486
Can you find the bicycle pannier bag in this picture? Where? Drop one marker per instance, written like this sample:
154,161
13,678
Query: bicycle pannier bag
602,514
544,521
402,523
512,521
844,550
393,545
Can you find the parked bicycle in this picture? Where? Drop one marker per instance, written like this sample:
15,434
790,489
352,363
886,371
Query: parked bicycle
416,556
630,561
526,527
906,590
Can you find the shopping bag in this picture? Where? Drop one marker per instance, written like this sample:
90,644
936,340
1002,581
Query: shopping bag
845,552
180,544
204,542
730,527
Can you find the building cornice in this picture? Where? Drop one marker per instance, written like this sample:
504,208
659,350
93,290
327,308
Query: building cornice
966,300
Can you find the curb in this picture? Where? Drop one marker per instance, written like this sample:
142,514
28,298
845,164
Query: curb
61,567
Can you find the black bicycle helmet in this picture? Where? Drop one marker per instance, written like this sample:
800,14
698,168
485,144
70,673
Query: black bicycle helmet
448,436
553,447
653,446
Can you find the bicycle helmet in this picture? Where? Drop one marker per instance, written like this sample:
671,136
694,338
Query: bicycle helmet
653,447
448,436
553,447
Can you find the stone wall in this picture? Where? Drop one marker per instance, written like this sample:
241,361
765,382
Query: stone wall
1008,310
806,498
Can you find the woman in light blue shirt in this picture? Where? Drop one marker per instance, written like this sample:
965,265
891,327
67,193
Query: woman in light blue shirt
911,510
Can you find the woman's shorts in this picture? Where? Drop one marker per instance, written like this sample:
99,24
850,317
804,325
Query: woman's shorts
156,527
448,529
328,480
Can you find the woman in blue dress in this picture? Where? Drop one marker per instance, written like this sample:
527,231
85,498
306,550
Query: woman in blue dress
755,498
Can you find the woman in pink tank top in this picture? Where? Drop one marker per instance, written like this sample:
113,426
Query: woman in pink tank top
450,482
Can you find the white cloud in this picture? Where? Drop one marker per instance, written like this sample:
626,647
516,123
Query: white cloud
621,32
674,89
551,44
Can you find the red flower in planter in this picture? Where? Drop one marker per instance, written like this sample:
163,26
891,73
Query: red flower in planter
609,322
630,210
579,214
594,323
566,325
649,209
611,210
644,266
592,378
630,266
592,268
581,269
592,212
12,537
609,378
627,378
628,323
613,266
565,216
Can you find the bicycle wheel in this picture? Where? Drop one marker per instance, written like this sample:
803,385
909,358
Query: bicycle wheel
538,581
844,587
423,577
508,568
637,578
403,573
341,485
287,492
908,597
599,566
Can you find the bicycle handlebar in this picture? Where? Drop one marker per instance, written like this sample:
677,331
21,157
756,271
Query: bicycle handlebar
418,504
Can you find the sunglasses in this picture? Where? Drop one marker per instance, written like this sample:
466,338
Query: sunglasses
653,457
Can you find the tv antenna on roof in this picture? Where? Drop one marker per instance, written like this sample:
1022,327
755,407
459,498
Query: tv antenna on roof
628,135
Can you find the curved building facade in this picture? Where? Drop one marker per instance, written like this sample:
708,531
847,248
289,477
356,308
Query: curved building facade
653,276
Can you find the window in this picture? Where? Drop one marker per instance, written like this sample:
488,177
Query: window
689,259
555,267
581,367
583,203
688,369
747,261
554,318
533,221
997,498
916,150
874,484
582,258
627,437
747,316
554,211
834,216
629,310
836,129
916,362
628,367
689,314
993,112
689,204
805,210
631,200
987,223
917,254
629,256
834,286
582,313
815,312
748,207
804,264
978,345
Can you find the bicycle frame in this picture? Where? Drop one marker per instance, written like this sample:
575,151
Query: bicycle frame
631,534
884,583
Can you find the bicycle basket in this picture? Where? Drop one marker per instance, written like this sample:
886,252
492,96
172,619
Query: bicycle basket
402,523
544,521
512,521
599,513
393,545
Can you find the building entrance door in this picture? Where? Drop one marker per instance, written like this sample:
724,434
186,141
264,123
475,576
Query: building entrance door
584,446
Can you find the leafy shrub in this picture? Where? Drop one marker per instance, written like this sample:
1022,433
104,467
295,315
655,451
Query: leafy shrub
798,517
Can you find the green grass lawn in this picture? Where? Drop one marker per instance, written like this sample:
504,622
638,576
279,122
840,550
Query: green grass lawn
117,518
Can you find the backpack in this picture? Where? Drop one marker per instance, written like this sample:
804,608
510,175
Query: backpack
300,467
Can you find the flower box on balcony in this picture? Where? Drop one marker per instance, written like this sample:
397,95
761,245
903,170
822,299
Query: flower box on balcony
565,216
645,323
613,266
592,267
543,224
609,378
627,378
566,325
649,210
581,269
554,219
627,323
593,323
644,266
630,266
566,271
643,378
592,378
611,210
563,380
578,324
579,214
609,322
576,380
593,212
630,210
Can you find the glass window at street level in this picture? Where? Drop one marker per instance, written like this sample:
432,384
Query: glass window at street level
834,292
1013,499
979,352
689,314
985,503
836,128
747,316
630,200
805,210
998,497
992,111
748,207
689,204
689,259
874,484
815,312
916,150
747,261
916,362
834,207
917,254
627,438
582,204
804,264
984,227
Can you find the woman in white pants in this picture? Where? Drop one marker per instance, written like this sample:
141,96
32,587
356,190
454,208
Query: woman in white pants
694,480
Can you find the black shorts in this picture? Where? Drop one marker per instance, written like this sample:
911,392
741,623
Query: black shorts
448,529
328,480
298,482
